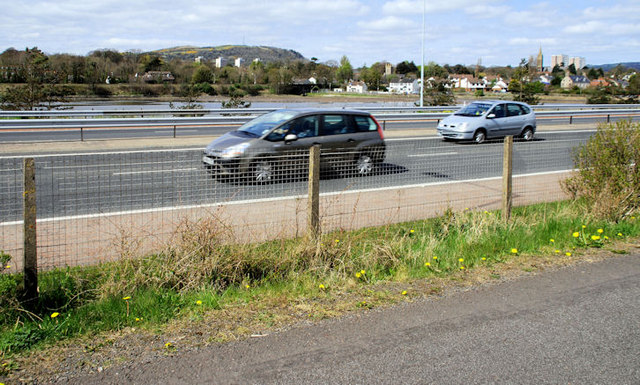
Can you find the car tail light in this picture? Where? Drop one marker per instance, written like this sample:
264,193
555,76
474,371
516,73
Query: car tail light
379,128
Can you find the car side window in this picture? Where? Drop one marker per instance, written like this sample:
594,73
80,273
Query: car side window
513,109
304,127
499,111
336,124
364,123
525,110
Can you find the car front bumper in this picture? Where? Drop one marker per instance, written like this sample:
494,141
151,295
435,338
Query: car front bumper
455,135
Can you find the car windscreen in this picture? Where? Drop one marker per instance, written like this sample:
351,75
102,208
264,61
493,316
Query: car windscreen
264,123
474,109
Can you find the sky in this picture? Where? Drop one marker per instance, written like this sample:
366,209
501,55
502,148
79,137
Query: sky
496,32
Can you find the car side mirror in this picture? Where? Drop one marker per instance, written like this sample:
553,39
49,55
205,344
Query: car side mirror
491,116
291,138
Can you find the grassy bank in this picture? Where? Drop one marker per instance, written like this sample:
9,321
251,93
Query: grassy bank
200,278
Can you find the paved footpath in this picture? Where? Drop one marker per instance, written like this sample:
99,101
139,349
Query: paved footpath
576,325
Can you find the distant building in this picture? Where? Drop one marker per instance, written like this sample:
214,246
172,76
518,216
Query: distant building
578,62
405,86
198,59
571,81
357,87
221,62
561,61
238,62
466,82
388,69
539,60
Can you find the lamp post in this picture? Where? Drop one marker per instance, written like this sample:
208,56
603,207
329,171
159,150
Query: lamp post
424,8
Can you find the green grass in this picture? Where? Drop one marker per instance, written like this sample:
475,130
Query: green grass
199,274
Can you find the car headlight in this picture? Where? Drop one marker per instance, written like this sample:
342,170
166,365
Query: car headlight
463,126
234,151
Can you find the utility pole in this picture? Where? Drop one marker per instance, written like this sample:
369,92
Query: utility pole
424,10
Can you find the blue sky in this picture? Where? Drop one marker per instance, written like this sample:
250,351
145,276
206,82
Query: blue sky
458,31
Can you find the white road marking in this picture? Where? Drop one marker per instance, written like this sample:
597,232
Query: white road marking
154,171
432,154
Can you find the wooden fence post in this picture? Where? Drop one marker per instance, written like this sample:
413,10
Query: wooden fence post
30,265
507,172
313,211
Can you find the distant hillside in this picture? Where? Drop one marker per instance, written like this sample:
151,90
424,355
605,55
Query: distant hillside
265,54
609,67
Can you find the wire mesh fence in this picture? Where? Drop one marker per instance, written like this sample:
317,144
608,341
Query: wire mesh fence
101,207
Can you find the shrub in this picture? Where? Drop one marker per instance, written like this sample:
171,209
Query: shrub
607,176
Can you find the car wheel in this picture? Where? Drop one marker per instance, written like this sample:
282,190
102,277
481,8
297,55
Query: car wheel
262,171
527,134
480,136
364,165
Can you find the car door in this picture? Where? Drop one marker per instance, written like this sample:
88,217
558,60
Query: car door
515,119
339,140
293,154
497,125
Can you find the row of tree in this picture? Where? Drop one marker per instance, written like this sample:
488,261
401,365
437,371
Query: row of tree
39,80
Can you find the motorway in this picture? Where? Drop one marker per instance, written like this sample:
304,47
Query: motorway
81,184
37,135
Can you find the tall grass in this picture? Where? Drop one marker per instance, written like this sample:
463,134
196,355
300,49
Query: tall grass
200,271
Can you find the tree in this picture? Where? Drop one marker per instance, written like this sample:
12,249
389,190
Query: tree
521,86
373,76
345,71
203,74
438,93
40,89
433,70
406,67
572,69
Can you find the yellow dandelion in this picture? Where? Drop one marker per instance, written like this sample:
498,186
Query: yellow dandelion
168,345
138,319
427,264
435,258
126,298
568,254
337,241
486,212
461,267
404,292
576,234
412,231
605,237
557,251
552,240
484,258
363,272
198,302
8,267
247,286
600,231
321,286
55,314
358,275
595,237
619,234
584,227
514,251
461,260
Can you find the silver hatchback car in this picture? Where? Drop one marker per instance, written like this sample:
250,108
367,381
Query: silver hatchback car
483,120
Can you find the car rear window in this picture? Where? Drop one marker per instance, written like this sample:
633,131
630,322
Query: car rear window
365,123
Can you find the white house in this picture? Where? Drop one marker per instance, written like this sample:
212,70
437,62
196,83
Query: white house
405,86
357,87
467,82
239,62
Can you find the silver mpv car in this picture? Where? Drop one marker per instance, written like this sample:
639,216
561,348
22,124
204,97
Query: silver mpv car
483,120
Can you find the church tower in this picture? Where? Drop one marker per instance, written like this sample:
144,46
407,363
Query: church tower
539,65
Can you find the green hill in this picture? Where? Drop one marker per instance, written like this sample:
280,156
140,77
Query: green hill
230,52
